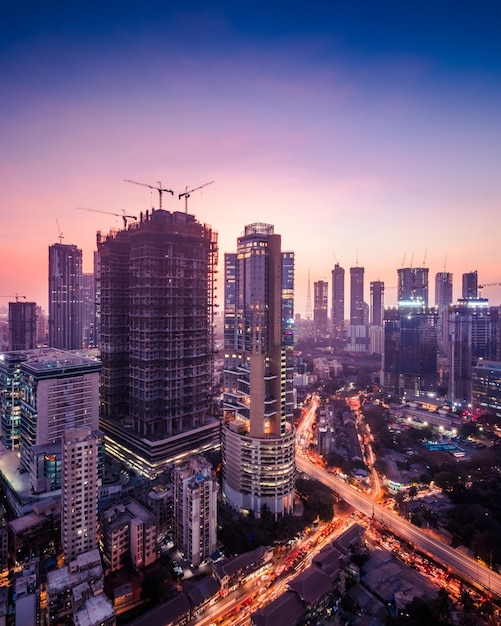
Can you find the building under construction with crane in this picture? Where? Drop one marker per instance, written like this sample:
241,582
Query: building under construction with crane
155,294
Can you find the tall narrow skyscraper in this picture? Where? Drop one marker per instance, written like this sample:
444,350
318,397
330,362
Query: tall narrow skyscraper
155,290
65,297
337,300
357,307
377,303
443,290
413,285
470,285
258,438
320,306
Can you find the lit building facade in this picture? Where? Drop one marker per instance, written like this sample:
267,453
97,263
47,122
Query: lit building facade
155,293
79,492
469,339
65,297
195,510
413,285
257,437
486,387
22,325
357,308
410,350
43,393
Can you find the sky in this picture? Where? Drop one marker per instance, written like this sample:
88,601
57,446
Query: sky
367,132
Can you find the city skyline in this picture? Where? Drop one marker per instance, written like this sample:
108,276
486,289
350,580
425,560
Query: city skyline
369,135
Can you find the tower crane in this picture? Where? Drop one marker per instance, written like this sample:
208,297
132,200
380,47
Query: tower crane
188,192
122,215
159,189
480,287
16,296
60,235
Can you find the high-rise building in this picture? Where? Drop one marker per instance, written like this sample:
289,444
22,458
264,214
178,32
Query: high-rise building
65,297
410,350
469,339
443,299
486,388
257,436
89,310
195,510
79,492
377,303
155,293
22,325
320,306
470,285
43,393
413,285
337,299
357,308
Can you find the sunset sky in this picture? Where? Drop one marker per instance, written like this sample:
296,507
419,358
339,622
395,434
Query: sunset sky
365,131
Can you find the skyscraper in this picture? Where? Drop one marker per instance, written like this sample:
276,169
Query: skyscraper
65,297
443,290
320,306
413,285
258,438
89,310
337,301
357,317
79,492
155,299
22,325
377,303
410,350
470,285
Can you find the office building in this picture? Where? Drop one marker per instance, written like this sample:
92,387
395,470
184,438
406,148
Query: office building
413,285
155,292
337,300
195,510
257,437
470,285
22,325
10,398
65,297
357,308
410,350
320,306
469,339
79,492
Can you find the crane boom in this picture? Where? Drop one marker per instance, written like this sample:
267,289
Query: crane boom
159,189
480,287
16,296
122,215
188,192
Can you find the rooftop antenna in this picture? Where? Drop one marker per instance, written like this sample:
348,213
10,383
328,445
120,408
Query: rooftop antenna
412,258
335,257
424,258
403,260
445,263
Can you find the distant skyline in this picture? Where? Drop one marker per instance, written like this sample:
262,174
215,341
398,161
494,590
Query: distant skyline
366,131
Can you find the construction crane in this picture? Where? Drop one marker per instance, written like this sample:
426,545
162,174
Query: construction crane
480,287
159,189
60,235
16,296
188,192
122,215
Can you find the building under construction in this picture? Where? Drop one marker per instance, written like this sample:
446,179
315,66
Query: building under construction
155,294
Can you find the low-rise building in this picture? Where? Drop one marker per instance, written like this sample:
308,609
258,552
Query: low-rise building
231,572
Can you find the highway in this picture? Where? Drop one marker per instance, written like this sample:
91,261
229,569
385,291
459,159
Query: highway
467,568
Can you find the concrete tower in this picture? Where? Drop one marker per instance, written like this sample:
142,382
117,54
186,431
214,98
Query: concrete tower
337,300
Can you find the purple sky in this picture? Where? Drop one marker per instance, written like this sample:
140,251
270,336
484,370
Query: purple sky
370,131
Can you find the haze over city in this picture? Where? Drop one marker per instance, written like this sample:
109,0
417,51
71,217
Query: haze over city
367,133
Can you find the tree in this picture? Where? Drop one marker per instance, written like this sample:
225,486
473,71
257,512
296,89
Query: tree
446,480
